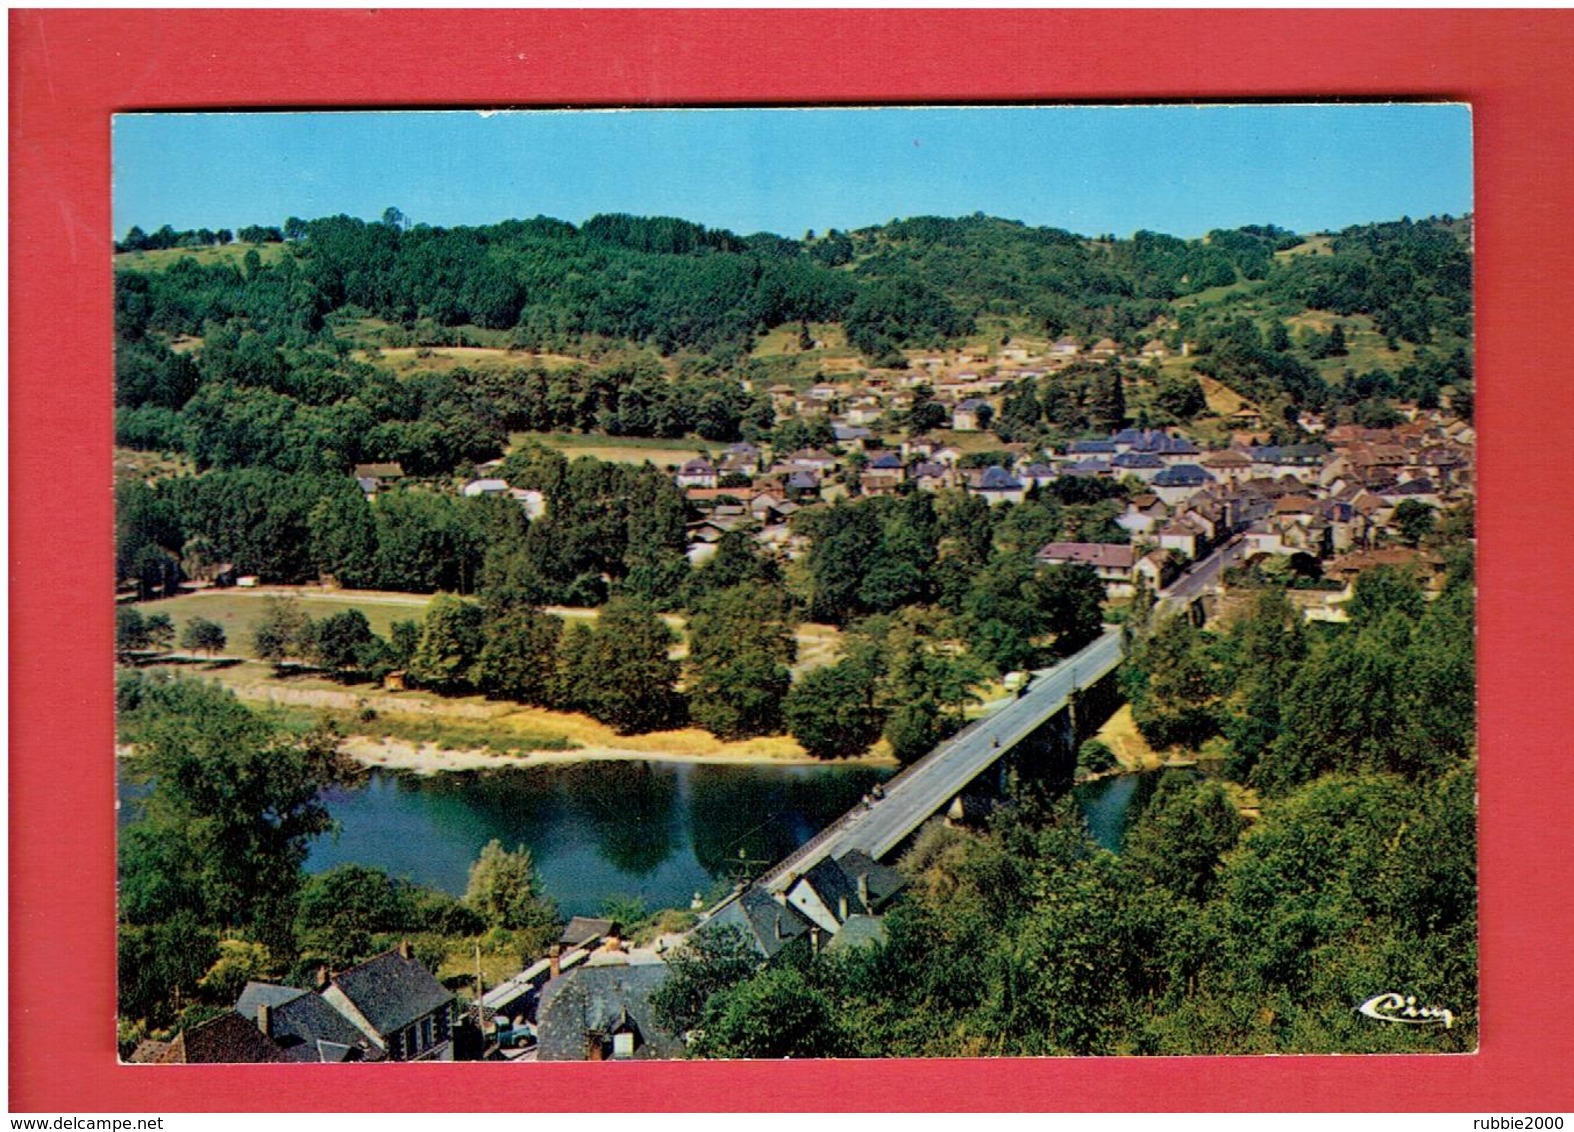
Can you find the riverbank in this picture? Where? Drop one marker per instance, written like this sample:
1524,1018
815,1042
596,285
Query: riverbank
428,758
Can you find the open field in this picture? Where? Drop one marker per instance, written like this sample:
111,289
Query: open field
443,359
239,611
783,340
1131,750
1312,245
164,258
1222,400
1367,348
620,449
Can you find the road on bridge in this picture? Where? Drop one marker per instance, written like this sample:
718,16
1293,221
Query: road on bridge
924,788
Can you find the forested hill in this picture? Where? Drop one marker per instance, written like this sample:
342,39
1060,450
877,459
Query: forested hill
677,286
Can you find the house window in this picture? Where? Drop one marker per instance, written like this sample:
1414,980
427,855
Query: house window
427,1040
622,1046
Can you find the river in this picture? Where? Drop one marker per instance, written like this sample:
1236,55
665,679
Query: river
599,832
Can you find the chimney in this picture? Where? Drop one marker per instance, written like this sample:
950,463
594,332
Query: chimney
404,949
324,977
814,939
265,1019
841,909
781,897
863,892
557,960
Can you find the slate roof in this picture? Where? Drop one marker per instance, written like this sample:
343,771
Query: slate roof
1135,459
928,470
831,883
270,994
767,923
602,999
1289,454
998,479
584,929
858,931
1090,448
884,882
1182,475
308,1029
392,991
886,460
1086,468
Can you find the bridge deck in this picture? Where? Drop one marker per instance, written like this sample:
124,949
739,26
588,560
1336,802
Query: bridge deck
926,786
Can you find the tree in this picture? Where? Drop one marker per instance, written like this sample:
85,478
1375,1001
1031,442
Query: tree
131,632
343,642
204,635
282,630
1414,520
741,648
831,710
912,730
504,890
1173,685
160,630
518,658
620,671
712,960
1182,835
774,1014
450,643
232,809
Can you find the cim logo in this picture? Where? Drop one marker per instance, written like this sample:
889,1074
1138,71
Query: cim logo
1402,1008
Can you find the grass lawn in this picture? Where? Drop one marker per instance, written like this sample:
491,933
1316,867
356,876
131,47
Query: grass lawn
620,449
239,611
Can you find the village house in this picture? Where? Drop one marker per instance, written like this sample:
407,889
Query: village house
697,473
1143,514
995,485
966,417
303,1025
1117,565
1229,466
1176,483
1142,465
476,488
394,1001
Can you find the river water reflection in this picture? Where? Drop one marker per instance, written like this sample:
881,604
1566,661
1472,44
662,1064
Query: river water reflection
598,831
614,831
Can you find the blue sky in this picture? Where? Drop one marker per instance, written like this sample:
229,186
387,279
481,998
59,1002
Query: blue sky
1176,169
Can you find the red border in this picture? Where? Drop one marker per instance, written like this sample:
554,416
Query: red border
69,70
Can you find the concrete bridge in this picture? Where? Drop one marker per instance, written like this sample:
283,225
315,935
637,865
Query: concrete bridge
1043,714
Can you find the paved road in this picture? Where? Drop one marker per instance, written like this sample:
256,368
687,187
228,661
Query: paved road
925,787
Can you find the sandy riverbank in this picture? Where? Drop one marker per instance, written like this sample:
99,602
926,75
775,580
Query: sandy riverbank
426,758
